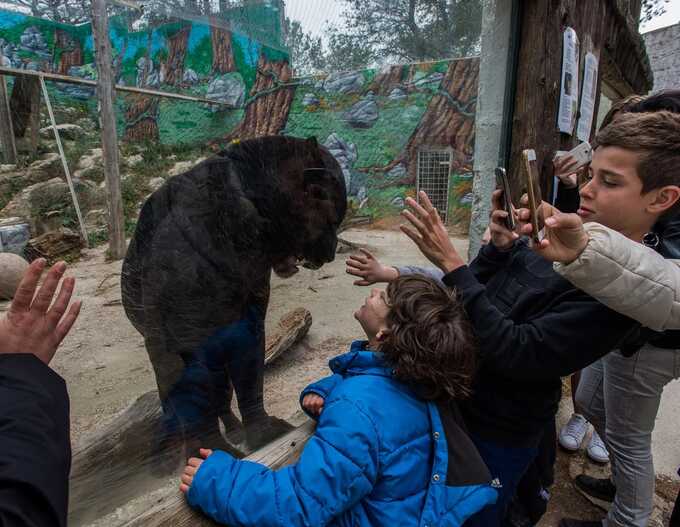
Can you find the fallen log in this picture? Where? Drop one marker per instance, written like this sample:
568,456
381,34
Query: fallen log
290,330
62,244
172,511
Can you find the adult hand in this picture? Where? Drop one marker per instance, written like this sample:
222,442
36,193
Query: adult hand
500,236
313,403
193,464
564,170
429,233
31,325
369,269
564,236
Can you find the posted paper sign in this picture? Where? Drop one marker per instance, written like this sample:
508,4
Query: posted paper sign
588,96
569,90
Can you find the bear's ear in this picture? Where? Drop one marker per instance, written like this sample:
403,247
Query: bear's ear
312,142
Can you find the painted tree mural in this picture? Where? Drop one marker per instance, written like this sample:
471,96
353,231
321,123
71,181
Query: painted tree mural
222,50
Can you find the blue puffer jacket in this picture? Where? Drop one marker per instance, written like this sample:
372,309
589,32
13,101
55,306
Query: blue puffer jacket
380,456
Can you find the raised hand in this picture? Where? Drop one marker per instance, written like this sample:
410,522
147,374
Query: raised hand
31,325
369,269
429,233
500,236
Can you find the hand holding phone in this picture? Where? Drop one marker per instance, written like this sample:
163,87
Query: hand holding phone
533,193
503,184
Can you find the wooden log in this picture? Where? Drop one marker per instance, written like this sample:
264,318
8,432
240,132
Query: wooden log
173,511
54,246
105,94
289,331
9,148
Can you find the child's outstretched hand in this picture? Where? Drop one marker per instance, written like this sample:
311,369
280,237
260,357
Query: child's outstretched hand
192,467
369,269
313,403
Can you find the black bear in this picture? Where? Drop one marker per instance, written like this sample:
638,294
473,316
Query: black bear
195,280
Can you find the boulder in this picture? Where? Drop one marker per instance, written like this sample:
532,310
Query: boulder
14,235
155,183
33,41
397,94
344,153
310,100
180,168
134,160
70,132
229,89
12,269
79,91
90,164
190,77
345,82
396,173
96,218
7,168
430,81
363,114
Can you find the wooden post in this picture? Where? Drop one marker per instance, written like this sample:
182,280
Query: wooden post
105,94
67,172
9,149
34,123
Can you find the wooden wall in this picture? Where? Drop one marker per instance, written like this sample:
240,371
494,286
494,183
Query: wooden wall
603,29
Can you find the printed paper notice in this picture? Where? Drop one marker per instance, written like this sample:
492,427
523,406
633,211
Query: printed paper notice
569,89
588,96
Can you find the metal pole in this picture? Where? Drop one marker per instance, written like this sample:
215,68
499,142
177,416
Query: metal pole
63,161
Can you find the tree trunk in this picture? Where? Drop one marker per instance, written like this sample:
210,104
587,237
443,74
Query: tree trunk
270,100
222,53
386,80
177,51
25,91
141,116
71,52
449,120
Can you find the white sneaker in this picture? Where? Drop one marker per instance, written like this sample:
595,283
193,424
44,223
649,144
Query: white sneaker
597,451
572,434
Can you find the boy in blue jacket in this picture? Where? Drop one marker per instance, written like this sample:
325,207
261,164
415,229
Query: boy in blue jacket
388,448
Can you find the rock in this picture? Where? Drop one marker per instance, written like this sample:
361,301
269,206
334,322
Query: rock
7,168
433,78
398,202
363,114
86,124
344,153
180,168
346,82
153,80
396,173
397,94
134,160
362,194
228,88
91,160
96,218
190,77
14,235
155,183
70,132
32,40
310,100
12,269
467,199
5,61
145,68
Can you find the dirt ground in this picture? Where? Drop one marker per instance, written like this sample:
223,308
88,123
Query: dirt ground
106,367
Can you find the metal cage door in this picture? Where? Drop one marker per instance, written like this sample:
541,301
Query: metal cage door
434,169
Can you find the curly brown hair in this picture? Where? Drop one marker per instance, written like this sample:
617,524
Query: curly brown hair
429,341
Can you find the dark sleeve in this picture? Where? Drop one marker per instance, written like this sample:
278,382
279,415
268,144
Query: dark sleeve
488,260
35,451
568,199
575,332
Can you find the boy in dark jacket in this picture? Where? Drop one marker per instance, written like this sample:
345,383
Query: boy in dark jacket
388,449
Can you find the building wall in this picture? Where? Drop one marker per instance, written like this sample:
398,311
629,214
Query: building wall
663,48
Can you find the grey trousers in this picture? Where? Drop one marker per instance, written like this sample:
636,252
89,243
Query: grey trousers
620,396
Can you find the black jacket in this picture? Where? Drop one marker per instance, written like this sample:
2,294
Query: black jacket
35,450
533,327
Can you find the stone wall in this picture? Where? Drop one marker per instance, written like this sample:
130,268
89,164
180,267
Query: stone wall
663,48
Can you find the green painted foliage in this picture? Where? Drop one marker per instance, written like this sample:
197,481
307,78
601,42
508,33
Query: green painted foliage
200,57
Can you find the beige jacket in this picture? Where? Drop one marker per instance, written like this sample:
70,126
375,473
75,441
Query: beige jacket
627,277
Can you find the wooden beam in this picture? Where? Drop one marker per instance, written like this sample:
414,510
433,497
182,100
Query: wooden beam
9,148
128,89
172,511
107,118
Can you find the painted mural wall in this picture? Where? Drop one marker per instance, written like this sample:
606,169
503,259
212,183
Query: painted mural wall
373,121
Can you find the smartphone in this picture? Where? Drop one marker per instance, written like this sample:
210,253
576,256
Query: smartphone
533,193
582,154
503,184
